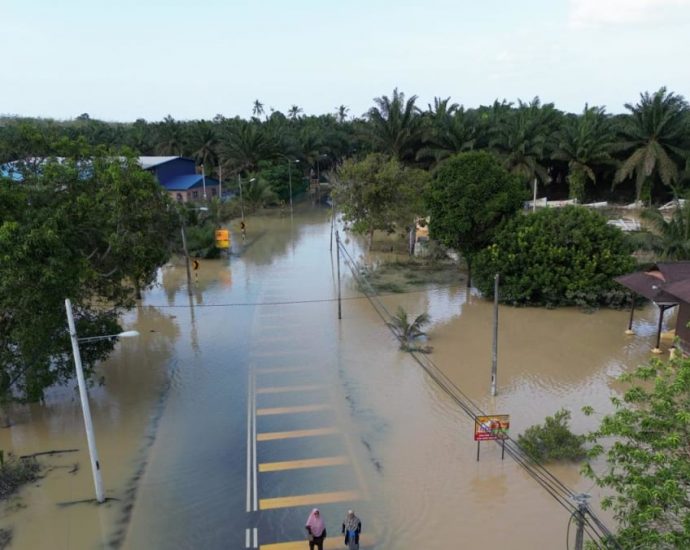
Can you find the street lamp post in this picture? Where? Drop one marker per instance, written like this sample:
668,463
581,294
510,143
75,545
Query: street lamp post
296,161
184,248
239,182
86,410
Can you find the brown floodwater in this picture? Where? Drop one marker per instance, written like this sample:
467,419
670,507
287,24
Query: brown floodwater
240,408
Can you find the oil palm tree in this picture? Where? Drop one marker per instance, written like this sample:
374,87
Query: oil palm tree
170,138
294,112
524,138
671,238
408,330
341,113
257,108
585,143
205,144
258,194
447,135
244,144
654,139
395,125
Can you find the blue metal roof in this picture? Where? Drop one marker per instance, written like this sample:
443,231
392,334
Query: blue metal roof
188,181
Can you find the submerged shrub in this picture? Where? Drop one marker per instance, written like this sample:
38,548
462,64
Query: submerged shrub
553,440
14,472
557,257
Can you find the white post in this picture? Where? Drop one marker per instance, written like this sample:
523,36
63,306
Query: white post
239,181
203,180
88,425
534,201
494,348
220,182
290,182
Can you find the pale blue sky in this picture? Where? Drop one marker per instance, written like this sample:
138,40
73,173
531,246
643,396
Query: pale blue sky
130,59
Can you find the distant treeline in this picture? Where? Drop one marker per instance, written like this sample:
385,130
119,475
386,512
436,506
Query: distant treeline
642,154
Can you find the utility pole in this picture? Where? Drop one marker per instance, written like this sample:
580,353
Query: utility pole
582,509
203,180
534,201
337,248
239,182
220,182
494,352
186,257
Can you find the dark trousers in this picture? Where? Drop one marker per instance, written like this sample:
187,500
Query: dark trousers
316,543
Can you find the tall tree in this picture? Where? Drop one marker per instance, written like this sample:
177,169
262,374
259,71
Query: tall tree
655,139
294,112
257,108
524,139
94,233
395,126
204,142
585,143
470,196
670,237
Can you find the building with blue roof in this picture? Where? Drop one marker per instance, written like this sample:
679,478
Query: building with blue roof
177,175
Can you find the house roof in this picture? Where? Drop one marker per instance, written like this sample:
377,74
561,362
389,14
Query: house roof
666,283
189,181
150,162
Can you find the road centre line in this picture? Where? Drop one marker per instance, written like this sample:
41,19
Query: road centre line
308,500
315,432
304,463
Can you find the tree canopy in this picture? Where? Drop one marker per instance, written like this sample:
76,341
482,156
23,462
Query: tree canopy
470,195
557,257
644,444
95,231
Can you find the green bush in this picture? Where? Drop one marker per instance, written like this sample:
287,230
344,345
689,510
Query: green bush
553,440
557,257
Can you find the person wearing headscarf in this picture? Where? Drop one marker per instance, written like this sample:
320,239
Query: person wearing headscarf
352,527
316,529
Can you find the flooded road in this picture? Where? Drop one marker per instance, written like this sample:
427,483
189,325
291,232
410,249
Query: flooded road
241,408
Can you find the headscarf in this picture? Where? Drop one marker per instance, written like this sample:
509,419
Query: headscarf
315,523
351,521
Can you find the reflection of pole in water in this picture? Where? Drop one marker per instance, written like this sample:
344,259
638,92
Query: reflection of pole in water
193,333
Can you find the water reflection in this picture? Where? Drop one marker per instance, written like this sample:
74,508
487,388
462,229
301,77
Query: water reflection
175,417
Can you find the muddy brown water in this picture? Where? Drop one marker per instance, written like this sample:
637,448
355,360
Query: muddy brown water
200,420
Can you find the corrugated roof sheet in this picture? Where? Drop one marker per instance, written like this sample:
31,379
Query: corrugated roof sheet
150,162
189,181
665,283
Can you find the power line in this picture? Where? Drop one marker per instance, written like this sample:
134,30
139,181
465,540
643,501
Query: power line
597,531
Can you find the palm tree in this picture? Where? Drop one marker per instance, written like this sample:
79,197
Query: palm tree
671,238
407,330
585,143
395,126
258,108
655,139
244,144
205,144
170,140
524,138
258,194
341,113
294,112
450,134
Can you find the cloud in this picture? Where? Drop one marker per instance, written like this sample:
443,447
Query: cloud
586,13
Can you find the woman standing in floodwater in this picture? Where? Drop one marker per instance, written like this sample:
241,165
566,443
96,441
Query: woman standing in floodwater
352,527
316,529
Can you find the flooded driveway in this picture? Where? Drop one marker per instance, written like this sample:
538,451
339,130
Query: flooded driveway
242,407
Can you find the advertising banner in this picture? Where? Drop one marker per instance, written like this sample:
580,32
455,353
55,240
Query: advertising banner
489,428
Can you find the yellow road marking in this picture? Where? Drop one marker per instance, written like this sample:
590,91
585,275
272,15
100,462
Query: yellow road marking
274,370
305,463
307,500
288,389
271,436
331,543
292,410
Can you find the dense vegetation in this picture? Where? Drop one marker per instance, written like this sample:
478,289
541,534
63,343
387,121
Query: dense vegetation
644,152
645,445
557,257
470,196
553,440
94,232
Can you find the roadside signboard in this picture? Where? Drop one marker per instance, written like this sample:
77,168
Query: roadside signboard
492,427
222,238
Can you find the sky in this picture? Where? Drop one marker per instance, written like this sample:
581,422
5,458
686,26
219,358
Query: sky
130,59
